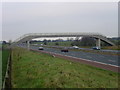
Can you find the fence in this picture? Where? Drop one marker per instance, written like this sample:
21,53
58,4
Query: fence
7,78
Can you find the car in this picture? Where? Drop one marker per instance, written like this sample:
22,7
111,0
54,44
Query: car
64,50
96,48
41,48
75,47
41,44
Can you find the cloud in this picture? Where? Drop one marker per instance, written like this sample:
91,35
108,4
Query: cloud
22,18
26,11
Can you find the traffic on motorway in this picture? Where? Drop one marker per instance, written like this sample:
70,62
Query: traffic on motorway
105,59
93,48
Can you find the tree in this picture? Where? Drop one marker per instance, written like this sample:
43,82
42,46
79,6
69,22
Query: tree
76,43
4,42
57,43
87,41
45,40
45,43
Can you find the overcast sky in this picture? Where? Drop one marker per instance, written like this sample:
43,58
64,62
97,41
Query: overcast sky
20,18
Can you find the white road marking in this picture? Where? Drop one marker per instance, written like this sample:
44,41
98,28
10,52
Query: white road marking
112,60
82,59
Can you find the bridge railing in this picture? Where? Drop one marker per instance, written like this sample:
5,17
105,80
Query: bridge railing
69,33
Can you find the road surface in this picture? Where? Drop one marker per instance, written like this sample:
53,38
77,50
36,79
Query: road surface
105,59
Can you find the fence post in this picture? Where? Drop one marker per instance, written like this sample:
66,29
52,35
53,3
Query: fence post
7,79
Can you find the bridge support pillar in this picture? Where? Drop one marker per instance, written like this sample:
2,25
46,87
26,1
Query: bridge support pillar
98,43
28,45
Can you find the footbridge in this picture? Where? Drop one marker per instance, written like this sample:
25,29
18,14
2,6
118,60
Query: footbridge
99,37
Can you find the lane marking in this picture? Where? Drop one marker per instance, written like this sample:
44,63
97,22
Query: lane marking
93,61
79,58
111,61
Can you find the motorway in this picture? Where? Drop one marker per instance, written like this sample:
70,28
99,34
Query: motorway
103,50
105,59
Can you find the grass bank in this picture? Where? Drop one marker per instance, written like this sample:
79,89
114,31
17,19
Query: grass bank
5,55
60,43
38,70
0,69
112,47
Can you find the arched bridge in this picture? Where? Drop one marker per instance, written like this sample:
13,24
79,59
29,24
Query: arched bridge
97,36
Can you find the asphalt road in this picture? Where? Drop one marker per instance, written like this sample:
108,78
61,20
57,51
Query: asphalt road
107,59
102,50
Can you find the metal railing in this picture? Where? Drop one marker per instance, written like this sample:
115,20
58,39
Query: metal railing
59,34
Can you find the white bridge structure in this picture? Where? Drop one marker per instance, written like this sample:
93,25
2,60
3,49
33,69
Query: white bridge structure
28,37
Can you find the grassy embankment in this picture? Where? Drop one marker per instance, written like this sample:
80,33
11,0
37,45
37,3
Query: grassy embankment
38,70
0,69
5,55
66,43
112,47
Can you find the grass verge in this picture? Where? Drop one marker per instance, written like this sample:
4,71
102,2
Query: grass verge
5,55
0,69
38,70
